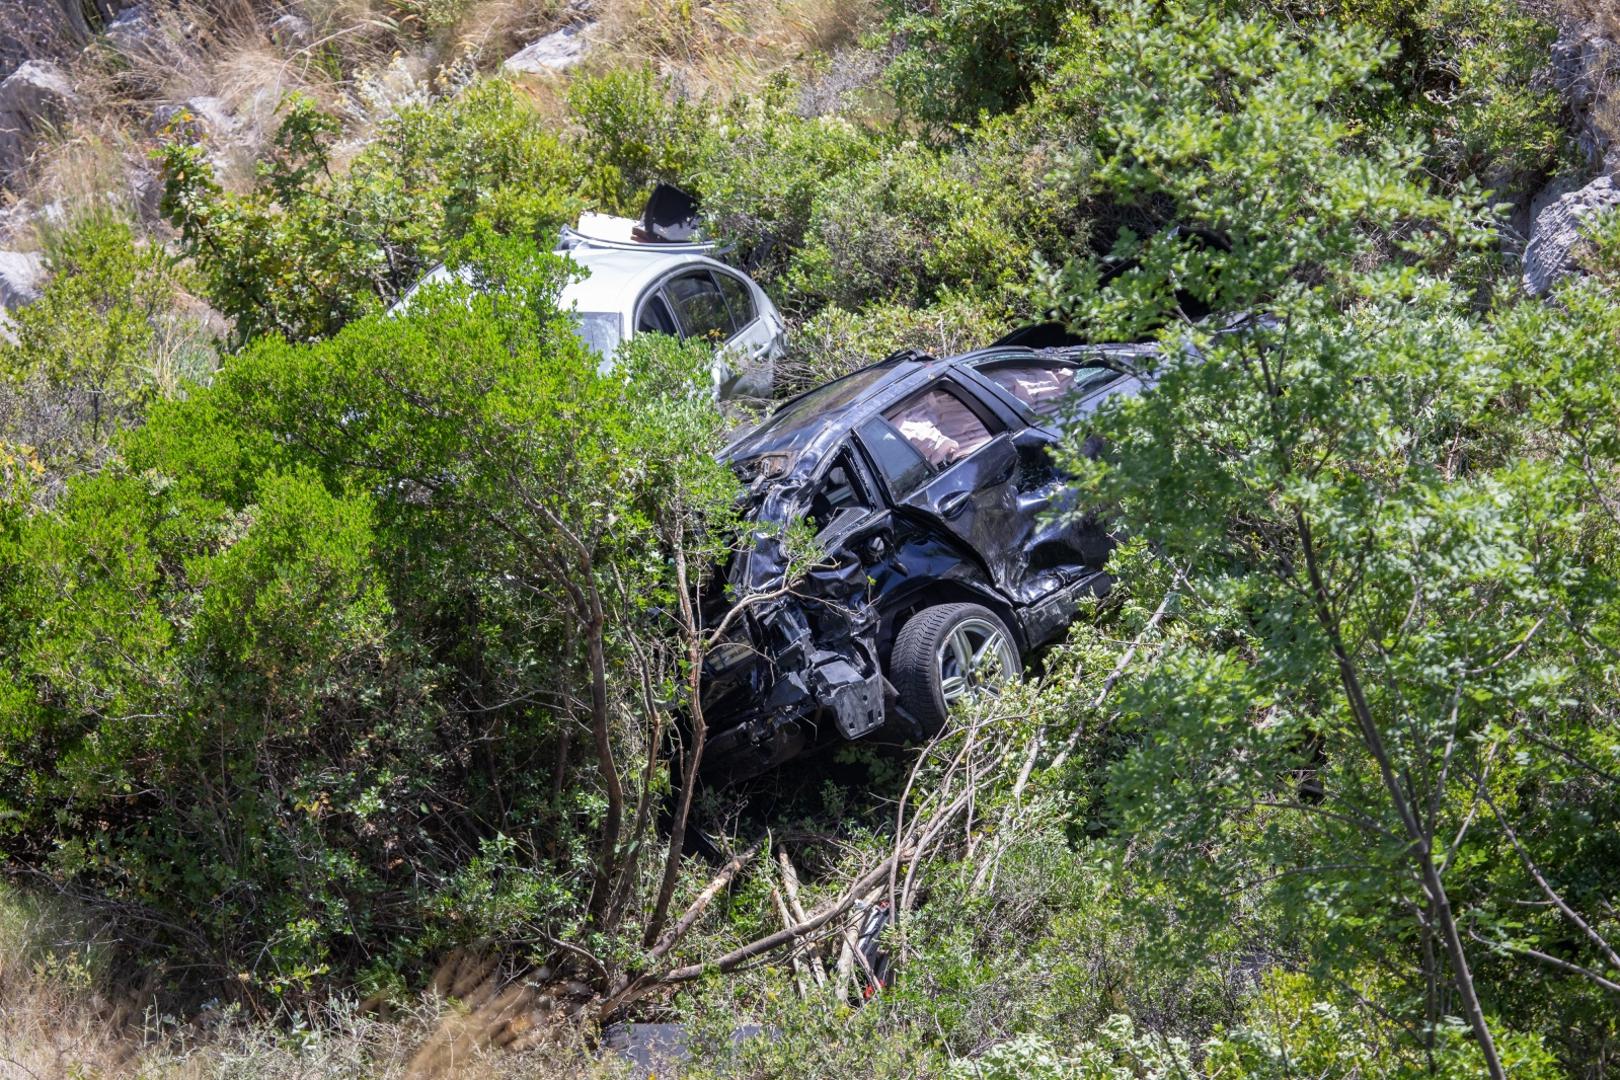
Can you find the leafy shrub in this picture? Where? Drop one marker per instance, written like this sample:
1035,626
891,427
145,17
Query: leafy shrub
1361,537
1293,1027
1468,72
834,342
904,227
636,129
761,167
960,58
292,681
1290,1031
105,339
310,249
1599,249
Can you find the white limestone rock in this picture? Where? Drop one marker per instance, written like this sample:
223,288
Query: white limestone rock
557,51
22,275
1556,230
35,95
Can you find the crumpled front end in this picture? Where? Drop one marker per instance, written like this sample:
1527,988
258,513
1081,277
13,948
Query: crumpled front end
799,664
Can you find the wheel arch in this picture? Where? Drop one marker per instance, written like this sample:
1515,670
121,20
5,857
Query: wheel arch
949,591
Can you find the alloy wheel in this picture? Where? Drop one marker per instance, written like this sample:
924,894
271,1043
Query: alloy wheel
975,657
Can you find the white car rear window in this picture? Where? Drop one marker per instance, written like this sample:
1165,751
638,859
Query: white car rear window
599,330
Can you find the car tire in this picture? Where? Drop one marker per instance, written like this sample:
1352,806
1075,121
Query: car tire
925,661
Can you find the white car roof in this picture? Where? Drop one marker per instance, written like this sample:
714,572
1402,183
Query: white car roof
617,277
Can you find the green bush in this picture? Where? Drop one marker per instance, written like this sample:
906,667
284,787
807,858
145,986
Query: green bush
104,340
1469,73
310,248
761,167
834,342
1361,535
904,227
961,58
635,128
290,686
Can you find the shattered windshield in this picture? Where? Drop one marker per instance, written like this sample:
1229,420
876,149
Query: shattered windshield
599,330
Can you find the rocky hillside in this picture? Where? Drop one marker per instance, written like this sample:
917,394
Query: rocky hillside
357,668
86,91
1585,69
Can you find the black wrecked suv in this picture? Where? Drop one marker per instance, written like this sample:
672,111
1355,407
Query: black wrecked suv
949,555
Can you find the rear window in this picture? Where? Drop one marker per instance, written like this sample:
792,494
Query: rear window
1044,385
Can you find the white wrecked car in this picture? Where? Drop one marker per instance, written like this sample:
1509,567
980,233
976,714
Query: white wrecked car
652,276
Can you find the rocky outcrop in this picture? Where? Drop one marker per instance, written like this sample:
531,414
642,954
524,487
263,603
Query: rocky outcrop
1586,72
39,30
557,51
35,37
34,96
22,273
1556,233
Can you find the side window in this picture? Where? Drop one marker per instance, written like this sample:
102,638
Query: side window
655,317
1043,385
840,490
902,467
738,300
699,306
940,426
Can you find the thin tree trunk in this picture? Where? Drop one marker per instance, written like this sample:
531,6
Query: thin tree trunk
1422,847
595,633
694,752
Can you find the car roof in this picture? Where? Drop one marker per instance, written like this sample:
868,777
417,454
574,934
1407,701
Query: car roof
806,428
618,275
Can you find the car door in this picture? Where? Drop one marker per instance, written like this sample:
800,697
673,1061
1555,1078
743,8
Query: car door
708,304
756,340
972,462
1055,393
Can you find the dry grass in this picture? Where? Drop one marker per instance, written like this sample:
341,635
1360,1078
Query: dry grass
62,1018
723,45
232,62
1601,14
491,30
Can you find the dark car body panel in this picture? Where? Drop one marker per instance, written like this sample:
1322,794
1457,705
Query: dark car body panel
991,526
